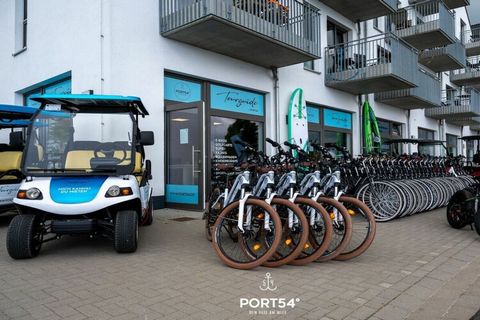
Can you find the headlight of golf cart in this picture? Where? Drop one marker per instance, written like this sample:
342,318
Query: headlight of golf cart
30,194
116,191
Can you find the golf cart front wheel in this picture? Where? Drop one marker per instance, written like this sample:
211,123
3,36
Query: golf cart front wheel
126,231
24,237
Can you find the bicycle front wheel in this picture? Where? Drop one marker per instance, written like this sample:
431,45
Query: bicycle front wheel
257,242
364,228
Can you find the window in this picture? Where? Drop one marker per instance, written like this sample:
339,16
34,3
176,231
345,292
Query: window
452,143
225,132
463,27
21,20
336,34
330,127
425,134
390,130
59,87
309,65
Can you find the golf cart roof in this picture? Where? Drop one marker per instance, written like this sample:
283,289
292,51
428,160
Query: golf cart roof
8,113
470,138
94,103
416,141
14,124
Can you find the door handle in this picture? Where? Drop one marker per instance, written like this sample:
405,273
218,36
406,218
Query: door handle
193,161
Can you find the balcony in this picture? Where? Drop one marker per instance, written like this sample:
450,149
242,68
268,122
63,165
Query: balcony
468,76
471,39
268,33
470,121
475,126
425,25
426,95
451,4
458,106
444,58
356,10
375,64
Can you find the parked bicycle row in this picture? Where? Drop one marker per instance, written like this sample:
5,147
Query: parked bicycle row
284,209
402,186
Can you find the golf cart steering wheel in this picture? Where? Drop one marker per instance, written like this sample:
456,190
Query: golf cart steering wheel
108,150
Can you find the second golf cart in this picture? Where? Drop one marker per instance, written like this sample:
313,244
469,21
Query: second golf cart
12,120
91,176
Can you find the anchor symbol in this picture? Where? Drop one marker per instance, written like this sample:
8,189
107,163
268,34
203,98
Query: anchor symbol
268,283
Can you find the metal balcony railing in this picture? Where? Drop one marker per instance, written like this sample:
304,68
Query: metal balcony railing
457,105
287,23
468,76
444,58
426,95
471,39
375,64
425,25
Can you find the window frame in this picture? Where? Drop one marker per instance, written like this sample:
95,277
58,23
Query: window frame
21,27
419,129
390,134
455,137
320,127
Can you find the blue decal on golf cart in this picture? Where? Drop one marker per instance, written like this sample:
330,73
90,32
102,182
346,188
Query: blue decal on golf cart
72,190
187,194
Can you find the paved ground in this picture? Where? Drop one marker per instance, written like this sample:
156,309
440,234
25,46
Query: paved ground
418,268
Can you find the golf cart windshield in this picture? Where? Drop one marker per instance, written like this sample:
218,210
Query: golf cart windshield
64,141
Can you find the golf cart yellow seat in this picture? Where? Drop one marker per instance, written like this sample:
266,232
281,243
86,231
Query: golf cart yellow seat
80,159
11,161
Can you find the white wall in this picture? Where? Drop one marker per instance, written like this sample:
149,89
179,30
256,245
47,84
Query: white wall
119,41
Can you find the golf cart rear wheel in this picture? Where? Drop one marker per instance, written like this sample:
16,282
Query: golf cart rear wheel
460,209
126,231
24,237
148,219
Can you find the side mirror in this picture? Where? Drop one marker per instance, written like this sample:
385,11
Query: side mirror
146,138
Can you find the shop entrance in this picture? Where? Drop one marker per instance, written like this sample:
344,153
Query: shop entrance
185,156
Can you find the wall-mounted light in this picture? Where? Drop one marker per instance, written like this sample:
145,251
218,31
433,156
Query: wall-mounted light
180,120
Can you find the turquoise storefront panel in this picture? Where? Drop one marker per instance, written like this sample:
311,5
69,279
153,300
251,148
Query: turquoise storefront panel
186,194
182,90
63,87
313,115
337,119
236,100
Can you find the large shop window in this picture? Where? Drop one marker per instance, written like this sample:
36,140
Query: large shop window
425,134
236,115
389,131
452,143
329,126
226,132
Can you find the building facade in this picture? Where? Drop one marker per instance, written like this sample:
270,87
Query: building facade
212,71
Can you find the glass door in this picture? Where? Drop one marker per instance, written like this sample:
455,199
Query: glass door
185,165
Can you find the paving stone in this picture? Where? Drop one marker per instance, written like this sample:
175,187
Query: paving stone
412,268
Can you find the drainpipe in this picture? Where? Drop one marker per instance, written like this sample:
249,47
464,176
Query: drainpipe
360,123
276,97
360,98
461,136
409,132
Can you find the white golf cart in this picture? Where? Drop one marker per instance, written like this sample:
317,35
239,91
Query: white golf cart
12,120
91,176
